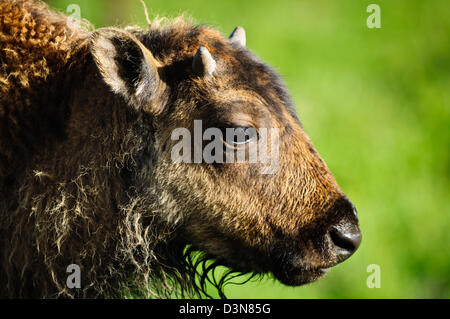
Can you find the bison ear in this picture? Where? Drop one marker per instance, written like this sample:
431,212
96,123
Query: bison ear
127,66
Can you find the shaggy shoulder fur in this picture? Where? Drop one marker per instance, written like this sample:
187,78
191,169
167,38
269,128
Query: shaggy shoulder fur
35,46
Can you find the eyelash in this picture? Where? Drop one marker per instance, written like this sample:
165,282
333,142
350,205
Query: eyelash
248,134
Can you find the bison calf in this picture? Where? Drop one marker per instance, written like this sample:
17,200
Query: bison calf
87,175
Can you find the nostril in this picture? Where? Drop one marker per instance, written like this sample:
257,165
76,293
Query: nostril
346,238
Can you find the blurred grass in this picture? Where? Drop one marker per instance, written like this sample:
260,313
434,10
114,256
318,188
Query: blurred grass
375,102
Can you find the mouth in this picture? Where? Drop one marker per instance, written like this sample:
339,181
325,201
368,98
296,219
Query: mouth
300,276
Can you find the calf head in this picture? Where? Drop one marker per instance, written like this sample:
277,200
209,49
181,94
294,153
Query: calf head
294,221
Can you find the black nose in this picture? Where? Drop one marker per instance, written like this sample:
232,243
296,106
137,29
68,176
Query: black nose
346,237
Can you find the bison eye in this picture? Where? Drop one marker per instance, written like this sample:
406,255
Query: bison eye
241,135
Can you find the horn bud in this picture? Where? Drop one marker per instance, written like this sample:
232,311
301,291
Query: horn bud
238,36
203,63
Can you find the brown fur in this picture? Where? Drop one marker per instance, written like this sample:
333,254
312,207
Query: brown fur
87,179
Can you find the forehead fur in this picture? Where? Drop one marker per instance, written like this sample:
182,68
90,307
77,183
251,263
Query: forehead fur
175,44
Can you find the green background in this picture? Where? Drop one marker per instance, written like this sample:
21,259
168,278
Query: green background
375,103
